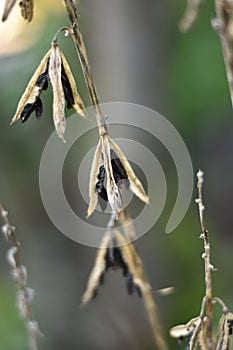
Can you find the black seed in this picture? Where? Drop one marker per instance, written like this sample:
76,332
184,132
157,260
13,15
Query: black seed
27,111
38,108
230,325
118,260
67,88
103,194
102,202
179,341
108,260
43,79
138,290
95,293
119,172
102,279
130,284
100,189
102,173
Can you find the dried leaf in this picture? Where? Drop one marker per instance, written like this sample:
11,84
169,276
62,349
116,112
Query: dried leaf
26,7
135,185
55,64
73,97
35,86
97,160
99,268
9,4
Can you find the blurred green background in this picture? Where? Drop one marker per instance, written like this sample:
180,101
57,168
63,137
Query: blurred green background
137,55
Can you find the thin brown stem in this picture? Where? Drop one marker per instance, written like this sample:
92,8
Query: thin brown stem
206,256
19,272
82,53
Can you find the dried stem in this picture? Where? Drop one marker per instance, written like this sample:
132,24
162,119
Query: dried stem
81,50
220,24
208,266
19,272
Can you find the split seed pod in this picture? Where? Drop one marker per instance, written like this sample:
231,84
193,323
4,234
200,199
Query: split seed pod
225,330
58,93
118,170
38,82
116,253
53,68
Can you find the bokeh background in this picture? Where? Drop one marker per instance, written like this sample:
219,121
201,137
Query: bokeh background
137,55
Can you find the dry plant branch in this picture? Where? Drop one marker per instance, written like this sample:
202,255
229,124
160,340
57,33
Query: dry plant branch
199,330
25,294
82,53
206,256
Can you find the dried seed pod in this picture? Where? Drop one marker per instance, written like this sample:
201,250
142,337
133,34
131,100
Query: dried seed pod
100,189
96,275
29,101
9,4
224,331
119,172
70,90
58,93
26,7
97,160
195,335
55,68
114,196
135,185
185,329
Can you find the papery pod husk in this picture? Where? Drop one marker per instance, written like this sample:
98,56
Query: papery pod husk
114,196
98,269
32,91
78,103
55,66
195,338
97,160
222,340
135,185
183,330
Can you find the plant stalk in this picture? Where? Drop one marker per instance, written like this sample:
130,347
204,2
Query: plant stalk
82,53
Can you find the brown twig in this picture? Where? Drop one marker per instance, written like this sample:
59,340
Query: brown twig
82,53
206,256
19,273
